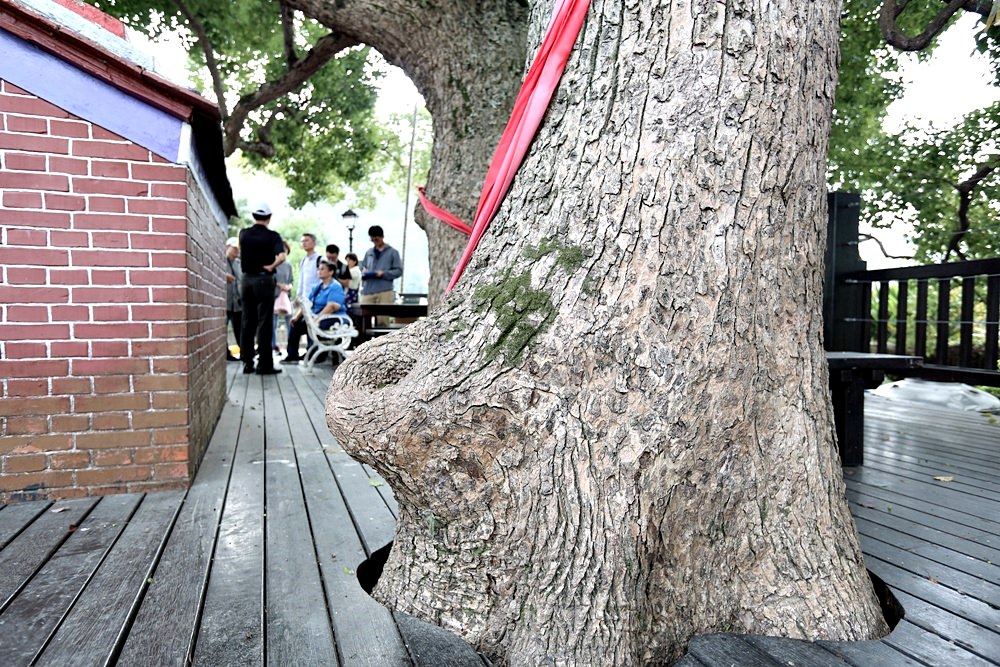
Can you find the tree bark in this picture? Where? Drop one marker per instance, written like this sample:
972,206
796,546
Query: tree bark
467,60
617,433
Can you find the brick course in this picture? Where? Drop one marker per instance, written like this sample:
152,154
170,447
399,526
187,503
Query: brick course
112,328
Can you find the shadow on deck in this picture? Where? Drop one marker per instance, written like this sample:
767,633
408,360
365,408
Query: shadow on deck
256,563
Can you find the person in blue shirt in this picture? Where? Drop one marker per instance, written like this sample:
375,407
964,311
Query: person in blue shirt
326,298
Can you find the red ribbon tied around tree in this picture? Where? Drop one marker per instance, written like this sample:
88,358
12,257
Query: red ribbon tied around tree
444,216
529,108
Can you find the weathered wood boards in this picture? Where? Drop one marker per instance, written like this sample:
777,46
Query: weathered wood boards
258,563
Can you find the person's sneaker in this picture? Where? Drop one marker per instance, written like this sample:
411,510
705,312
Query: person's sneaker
290,361
247,370
268,371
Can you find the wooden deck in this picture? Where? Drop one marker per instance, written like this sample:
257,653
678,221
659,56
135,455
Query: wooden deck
255,564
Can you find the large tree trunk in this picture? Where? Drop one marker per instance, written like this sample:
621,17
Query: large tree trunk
467,60
617,433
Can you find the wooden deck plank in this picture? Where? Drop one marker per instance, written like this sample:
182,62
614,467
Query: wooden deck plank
231,631
432,646
365,630
934,500
972,576
928,450
32,616
298,624
971,508
972,642
371,516
931,592
166,626
919,523
931,648
921,422
930,456
870,654
92,631
796,652
27,552
725,650
15,518
964,485
427,644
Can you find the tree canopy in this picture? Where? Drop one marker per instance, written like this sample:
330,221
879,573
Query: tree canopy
295,98
946,181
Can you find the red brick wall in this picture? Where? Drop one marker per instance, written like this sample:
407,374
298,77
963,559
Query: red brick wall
206,321
95,348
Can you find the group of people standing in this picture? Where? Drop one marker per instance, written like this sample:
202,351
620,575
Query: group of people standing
260,282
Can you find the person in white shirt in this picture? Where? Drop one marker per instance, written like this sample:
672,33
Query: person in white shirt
308,276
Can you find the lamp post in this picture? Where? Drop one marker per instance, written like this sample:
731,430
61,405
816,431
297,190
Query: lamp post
351,220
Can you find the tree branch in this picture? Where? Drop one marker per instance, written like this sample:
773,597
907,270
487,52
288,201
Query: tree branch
869,237
326,48
981,7
965,191
206,47
893,34
288,29
262,148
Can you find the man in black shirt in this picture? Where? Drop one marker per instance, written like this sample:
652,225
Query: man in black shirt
261,250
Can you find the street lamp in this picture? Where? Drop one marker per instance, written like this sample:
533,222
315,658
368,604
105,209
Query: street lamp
351,220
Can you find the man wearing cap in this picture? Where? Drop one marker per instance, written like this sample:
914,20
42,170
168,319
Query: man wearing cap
262,250
234,303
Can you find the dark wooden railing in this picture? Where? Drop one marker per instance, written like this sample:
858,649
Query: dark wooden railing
955,330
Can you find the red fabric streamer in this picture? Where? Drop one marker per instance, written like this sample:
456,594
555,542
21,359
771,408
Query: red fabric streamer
531,104
444,216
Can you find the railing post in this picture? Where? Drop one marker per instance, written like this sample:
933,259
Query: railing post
844,313
943,321
902,314
992,322
967,311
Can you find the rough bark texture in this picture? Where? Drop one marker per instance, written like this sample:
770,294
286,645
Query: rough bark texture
619,435
467,60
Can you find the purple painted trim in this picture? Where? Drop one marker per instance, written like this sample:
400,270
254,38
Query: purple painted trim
80,93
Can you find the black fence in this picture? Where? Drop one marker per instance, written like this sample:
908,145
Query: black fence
949,314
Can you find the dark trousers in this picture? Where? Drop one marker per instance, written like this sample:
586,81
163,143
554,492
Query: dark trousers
235,319
258,319
295,334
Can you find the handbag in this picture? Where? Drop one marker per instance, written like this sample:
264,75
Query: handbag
282,304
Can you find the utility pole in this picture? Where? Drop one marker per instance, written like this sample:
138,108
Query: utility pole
409,186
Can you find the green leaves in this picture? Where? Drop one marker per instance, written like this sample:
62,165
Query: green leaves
322,135
922,175
918,175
